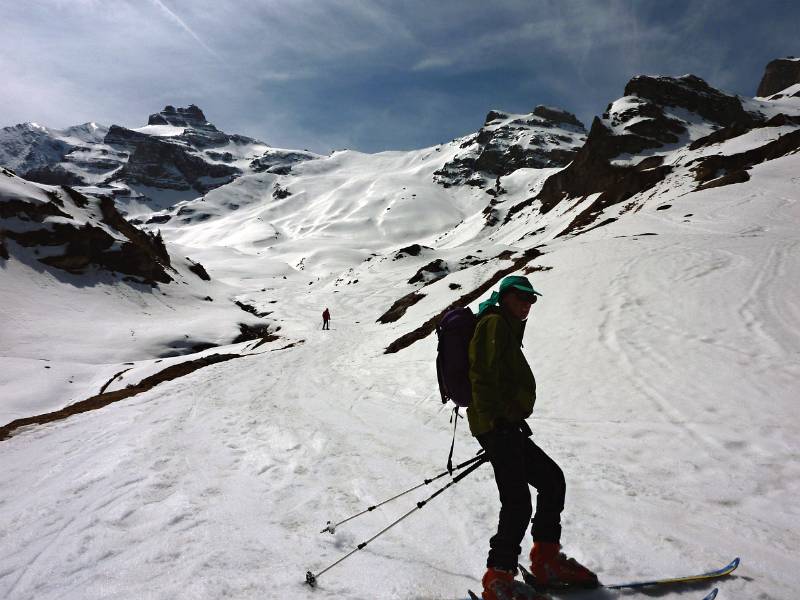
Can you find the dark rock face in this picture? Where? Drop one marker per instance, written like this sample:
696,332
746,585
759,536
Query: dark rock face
167,165
123,138
433,271
200,157
717,170
592,172
279,193
280,162
693,94
412,250
620,160
198,133
255,332
779,74
179,117
399,308
28,147
199,270
109,242
638,123
546,138
557,115
53,175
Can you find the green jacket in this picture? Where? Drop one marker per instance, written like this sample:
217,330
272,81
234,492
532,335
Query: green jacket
503,386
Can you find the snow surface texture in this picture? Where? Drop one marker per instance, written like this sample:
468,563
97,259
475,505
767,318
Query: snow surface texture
666,349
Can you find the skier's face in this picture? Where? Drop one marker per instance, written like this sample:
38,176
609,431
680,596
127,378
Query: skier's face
519,305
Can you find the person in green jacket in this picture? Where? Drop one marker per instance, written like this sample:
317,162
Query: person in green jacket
503,395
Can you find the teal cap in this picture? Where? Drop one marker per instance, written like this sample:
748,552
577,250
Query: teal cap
515,282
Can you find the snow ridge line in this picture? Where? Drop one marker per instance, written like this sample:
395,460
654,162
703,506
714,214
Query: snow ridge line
106,398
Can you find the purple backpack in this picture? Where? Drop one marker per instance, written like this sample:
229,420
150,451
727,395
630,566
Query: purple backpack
455,331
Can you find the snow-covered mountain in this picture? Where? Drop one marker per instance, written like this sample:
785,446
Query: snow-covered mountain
184,429
37,151
177,155
547,137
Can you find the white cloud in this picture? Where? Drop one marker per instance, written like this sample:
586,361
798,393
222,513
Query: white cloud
432,63
67,61
180,22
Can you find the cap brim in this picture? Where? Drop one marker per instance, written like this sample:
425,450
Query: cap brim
525,290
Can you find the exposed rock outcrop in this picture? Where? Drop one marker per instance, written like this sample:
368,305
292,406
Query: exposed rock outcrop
280,162
548,137
53,175
124,138
412,250
433,271
69,231
29,146
620,157
179,117
779,75
693,94
718,169
178,150
166,165
399,308
557,115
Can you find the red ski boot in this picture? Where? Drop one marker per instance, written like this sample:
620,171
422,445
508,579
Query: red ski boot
552,569
499,584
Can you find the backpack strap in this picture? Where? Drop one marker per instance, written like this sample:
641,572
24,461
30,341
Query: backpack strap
453,419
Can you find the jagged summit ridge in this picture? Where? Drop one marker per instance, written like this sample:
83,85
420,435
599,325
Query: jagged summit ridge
693,94
557,115
547,137
178,151
658,132
191,116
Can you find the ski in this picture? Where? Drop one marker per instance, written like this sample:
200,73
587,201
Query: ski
710,596
726,570
520,588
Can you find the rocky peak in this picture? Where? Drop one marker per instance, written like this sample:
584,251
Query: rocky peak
180,117
779,75
626,150
693,94
29,146
548,137
91,132
557,115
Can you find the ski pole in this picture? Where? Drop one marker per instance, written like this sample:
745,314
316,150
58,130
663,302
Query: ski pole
311,578
332,527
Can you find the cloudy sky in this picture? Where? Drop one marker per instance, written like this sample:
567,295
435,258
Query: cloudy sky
367,75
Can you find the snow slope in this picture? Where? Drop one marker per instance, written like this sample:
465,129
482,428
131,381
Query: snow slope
666,349
668,370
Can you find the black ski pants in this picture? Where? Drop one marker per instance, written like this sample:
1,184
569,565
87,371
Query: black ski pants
519,463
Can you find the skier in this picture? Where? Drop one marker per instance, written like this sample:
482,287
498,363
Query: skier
326,317
503,394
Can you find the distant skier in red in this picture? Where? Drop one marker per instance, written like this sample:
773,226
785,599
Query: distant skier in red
326,317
